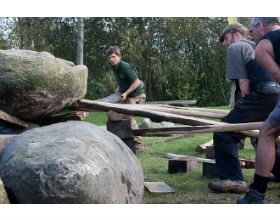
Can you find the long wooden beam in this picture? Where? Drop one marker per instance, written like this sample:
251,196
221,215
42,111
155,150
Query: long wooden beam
182,111
15,120
135,111
76,116
174,102
198,129
219,111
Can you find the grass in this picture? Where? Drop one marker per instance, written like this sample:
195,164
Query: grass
191,188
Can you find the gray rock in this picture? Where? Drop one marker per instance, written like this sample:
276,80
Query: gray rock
37,84
147,123
70,162
3,195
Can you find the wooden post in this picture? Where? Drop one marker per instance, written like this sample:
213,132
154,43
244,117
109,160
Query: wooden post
182,164
121,128
209,170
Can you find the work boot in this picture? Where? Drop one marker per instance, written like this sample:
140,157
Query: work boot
252,197
139,148
231,186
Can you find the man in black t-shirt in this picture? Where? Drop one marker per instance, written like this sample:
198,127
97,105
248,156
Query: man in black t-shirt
266,33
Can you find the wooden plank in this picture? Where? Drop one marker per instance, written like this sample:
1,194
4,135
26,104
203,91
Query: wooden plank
187,120
158,188
15,120
135,111
168,140
120,128
198,129
200,160
175,102
219,111
185,112
202,147
76,116
247,164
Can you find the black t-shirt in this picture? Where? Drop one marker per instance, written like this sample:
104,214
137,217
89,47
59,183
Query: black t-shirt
274,38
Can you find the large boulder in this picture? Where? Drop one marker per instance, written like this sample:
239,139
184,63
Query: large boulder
70,162
148,123
37,84
3,195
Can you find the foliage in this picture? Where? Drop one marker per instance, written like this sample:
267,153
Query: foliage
177,58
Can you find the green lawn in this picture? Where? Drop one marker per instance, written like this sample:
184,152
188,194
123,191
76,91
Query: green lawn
190,188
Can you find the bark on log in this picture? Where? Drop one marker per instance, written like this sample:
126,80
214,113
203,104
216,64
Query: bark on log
174,102
185,112
15,120
77,116
244,163
201,160
202,147
198,129
219,111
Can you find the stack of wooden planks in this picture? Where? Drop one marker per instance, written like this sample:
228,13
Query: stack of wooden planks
193,120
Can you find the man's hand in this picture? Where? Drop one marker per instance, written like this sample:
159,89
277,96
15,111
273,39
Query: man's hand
124,95
132,87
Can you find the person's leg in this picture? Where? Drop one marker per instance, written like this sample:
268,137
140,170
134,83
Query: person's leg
136,100
265,155
226,154
265,159
254,107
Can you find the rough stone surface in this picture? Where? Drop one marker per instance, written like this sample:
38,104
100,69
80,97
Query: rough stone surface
70,162
147,123
37,84
3,195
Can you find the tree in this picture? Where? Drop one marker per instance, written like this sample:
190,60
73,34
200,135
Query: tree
80,41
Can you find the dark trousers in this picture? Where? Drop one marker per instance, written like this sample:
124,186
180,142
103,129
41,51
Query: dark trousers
252,108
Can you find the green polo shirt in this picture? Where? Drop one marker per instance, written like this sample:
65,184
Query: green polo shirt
126,74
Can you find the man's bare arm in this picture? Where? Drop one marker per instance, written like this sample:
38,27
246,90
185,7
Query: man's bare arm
265,56
132,87
244,86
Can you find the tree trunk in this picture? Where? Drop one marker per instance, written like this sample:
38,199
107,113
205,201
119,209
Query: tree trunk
80,40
